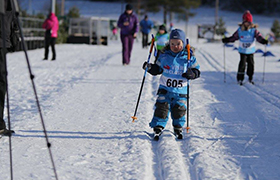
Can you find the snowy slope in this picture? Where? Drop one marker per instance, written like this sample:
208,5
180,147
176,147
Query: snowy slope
87,97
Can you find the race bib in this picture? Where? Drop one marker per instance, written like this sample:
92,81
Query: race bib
246,45
173,83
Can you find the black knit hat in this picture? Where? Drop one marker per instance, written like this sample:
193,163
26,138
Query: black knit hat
162,27
128,7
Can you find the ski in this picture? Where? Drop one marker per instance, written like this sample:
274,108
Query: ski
241,83
157,132
178,135
178,132
156,136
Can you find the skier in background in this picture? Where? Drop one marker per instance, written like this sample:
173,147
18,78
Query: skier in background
114,33
161,38
171,27
175,72
246,34
51,25
146,26
128,23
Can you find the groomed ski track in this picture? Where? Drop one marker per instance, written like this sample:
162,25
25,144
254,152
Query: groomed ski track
88,99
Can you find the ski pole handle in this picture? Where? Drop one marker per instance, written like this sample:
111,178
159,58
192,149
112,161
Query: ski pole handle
151,49
152,45
188,49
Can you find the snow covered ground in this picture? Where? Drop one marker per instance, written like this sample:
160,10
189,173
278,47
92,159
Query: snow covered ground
88,98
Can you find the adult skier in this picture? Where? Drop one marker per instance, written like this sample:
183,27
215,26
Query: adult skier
247,34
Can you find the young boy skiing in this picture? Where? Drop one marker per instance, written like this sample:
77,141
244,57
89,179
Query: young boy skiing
175,72
246,34
161,39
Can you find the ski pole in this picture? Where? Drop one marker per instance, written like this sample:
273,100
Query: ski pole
264,63
16,8
188,85
224,63
142,84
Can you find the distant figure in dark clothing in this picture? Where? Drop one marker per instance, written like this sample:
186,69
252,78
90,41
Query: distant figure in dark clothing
146,26
51,25
128,24
9,25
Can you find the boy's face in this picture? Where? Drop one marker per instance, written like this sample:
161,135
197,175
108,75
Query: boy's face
176,45
161,31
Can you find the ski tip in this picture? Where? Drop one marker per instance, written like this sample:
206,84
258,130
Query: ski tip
156,138
180,136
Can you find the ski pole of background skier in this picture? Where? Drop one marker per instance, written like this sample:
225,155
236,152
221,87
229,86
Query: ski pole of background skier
264,63
16,8
224,63
143,80
188,85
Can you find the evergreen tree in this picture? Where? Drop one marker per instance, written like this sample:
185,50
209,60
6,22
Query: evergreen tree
220,27
178,7
74,12
276,28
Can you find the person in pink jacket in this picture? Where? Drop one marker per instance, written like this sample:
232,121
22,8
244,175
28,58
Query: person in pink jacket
51,25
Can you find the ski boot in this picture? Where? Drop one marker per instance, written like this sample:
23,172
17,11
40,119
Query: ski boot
6,132
251,81
240,82
178,131
157,130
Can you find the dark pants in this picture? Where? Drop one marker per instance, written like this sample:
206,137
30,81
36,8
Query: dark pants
249,59
144,40
50,41
127,44
2,87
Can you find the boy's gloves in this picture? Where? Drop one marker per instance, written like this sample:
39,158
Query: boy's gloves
189,74
264,41
225,40
145,65
153,69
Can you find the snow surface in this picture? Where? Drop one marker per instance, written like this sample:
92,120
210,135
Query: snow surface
88,98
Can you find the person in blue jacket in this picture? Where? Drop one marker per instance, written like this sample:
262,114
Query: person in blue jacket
247,34
175,70
146,26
